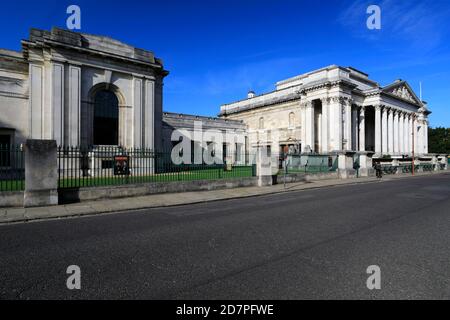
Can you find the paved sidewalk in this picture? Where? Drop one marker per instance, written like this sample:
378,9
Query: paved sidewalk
12,215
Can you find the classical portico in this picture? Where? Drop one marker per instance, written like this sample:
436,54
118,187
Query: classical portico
341,109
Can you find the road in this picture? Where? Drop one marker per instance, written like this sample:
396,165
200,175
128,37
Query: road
314,244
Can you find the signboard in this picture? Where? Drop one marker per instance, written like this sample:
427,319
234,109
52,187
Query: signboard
121,166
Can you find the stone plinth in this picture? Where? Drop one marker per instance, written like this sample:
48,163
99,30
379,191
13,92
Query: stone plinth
366,164
345,165
264,166
41,173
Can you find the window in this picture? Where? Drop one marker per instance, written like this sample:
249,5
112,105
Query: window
261,123
225,152
291,120
106,118
238,153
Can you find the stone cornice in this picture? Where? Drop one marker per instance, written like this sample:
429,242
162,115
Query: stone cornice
326,85
13,95
46,41
380,93
262,104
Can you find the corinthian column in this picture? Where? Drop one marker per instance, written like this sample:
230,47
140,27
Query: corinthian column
384,128
348,124
355,129
401,136
410,133
378,129
407,137
395,140
325,116
307,113
415,128
335,113
362,129
310,125
391,131
425,136
303,121
419,137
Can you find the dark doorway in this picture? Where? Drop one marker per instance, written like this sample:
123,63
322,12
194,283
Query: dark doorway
370,129
106,119
5,145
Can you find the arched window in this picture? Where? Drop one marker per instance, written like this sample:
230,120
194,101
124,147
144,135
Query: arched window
106,118
291,120
261,123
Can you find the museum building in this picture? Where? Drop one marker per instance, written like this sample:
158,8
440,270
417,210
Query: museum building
87,90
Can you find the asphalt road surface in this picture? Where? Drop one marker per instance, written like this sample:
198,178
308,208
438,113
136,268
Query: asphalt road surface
314,244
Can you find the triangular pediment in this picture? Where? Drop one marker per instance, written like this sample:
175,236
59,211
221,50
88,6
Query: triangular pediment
402,90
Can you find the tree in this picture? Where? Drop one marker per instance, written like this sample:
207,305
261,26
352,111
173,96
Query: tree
439,140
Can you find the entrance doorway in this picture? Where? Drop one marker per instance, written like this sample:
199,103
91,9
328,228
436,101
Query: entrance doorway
106,118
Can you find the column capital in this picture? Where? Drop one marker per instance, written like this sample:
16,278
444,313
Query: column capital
341,100
348,101
378,107
325,100
303,104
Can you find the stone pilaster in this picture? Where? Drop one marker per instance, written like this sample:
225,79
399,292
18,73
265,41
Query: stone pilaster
138,135
74,106
58,103
36,102
149,110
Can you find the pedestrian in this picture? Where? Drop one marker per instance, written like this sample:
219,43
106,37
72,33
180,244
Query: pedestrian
378,170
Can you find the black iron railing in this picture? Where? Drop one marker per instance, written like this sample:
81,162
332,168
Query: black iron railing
308,163
106,166
12,168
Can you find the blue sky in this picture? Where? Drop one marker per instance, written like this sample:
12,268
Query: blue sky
218,50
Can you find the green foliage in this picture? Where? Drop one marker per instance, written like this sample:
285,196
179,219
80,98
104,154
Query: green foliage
439,140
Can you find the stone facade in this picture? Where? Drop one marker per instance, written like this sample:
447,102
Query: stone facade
195,128
86,90
49,90
335,109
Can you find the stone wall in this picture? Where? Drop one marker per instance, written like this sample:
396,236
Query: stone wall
86,194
